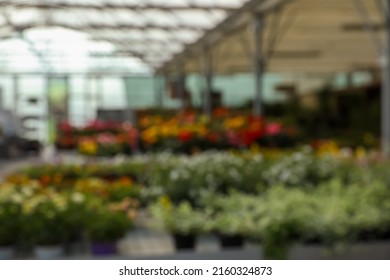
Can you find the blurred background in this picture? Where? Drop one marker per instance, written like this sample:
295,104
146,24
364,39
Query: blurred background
194,129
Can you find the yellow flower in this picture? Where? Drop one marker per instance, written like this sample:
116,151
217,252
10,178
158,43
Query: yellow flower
166,202
360,153
329,148
166,130
202,131
255,149
150,135
88,147
234,123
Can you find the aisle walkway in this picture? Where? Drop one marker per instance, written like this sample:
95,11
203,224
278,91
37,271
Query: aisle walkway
9,166
145,243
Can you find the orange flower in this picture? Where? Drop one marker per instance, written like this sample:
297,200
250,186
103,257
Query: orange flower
126,180
120,138
221,112
144,122
45,180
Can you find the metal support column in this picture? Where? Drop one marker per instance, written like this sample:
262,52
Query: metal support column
48,138
181,85
99,92
163,90
259,65
208,75
385,98
68,98
87,99
15,106
129,114
158,89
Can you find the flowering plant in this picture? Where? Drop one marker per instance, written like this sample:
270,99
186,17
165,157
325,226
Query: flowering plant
179,219
46,219
108,226
10,217
14,213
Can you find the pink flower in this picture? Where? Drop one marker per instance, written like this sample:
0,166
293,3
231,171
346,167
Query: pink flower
233,138
105,138
96,124
273,129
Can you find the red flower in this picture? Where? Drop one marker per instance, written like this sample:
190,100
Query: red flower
250,136
67,141
133,138
256,123
96,125
213,137
65,127
185,136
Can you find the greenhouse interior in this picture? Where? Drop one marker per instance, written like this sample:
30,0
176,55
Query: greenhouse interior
195,129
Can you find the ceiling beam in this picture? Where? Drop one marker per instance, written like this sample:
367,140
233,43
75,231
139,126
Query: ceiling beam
110,6
100,26
234,22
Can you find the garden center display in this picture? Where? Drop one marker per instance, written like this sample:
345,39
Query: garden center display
277,200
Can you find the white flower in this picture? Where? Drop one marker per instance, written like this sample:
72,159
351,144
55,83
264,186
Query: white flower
17,198
174,175
27,192
77,197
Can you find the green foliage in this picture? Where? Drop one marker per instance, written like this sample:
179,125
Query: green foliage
179,219
10,216
333,213
107,226
48,220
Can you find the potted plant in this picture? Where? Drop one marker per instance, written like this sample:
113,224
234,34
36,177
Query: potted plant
233,216
75,220
10,213
105,227
230,228
182,221
48,221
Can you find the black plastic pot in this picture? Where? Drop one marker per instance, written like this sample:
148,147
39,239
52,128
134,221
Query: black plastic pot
184,242
231,241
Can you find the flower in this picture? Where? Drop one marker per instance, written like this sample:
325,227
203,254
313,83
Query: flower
88,146
105,138
150,135
77,197
65,127
273,129
165,202
234,123
221,112
185,136
213,137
